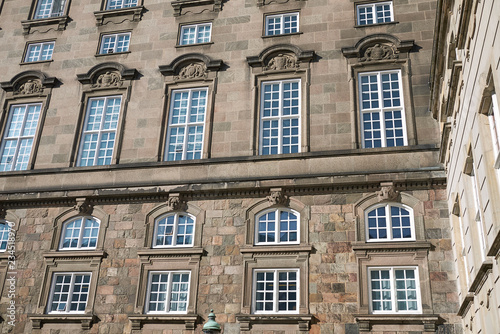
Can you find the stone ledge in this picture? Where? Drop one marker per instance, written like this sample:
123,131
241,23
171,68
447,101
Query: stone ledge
372,247
60,21
276,249
429,321
37,320
189,320
74,254
179,4
174,251
481,276
466,304
133,14
302,320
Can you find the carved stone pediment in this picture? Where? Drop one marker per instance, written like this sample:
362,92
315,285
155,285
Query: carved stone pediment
195,6
192,71
282,62
380,52
32,86
28,83
108,79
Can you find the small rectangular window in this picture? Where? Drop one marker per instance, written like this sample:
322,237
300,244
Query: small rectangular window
373,13
69,293
168,292
39,51
394,290
276,291
280,117
99,131
195,33
382,110
117,4
114,43
19,136
186,124
49,8
279,24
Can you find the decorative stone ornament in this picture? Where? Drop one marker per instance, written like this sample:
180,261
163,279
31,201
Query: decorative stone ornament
175,203
380,52
193,71
108,79
28,83
278,197
180,5
282,62
261,3
83,206
388,192
29,87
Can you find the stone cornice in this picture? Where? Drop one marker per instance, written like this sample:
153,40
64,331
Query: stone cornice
466,304
481,276
188,320
398,246
86,320
429,321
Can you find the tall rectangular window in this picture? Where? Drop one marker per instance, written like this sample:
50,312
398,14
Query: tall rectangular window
186,124
117,4
276,291
49,8
39,51
19,135
99,131
168,292
115,43
280,117
69,293
382,112
195,33
280,24
373,13
394,290
478,217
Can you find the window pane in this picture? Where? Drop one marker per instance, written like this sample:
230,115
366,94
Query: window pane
4,236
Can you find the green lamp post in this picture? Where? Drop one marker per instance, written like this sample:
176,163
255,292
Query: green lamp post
211,326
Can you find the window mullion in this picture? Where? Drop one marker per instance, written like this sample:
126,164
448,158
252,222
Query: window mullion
275,290
381,109
175,229
70,293
393,289
389,222
276,227
187,124
280,118
168,292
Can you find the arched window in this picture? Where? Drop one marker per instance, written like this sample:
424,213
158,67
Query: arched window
4,236
174,230
277,226
389,222
80,233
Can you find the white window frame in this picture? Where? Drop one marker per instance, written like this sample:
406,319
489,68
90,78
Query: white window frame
197,27
494,121
21,137
276,285
478,216
175,232
52,10
47,46
393,290
103,50
388,221
4,235
81,233
168,293
121,4
280,117
187,125
381,110
100,131
277,225
373,7
281,18
71,291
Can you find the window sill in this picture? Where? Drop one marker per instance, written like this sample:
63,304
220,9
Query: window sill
75,254
133,14
375,24
429,321
60,21
195,44
481,276
174,251
246,320
37,321
179,4
36,62
111,54
283,35
189,320
371,247
276,249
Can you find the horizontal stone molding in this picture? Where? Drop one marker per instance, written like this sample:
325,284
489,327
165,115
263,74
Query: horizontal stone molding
272,249
481,276
302,320
56,23
74,254
38,320
466,304
171,252
132,14
375,247
189,320
429,321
